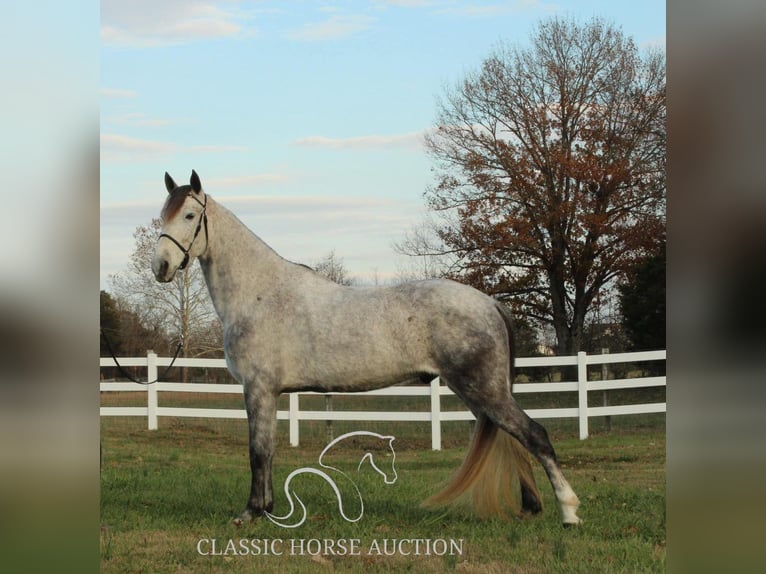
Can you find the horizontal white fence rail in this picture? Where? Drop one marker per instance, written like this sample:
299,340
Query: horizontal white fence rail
435,391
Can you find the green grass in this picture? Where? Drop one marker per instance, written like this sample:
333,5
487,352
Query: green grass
162,491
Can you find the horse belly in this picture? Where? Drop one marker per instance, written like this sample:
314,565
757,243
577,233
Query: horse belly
360,362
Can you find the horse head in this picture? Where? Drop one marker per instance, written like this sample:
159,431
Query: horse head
388,474
184,216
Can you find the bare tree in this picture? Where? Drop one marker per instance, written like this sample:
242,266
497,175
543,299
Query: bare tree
551,171
332,267
423,245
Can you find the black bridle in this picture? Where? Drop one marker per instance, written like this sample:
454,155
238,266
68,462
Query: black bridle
202,221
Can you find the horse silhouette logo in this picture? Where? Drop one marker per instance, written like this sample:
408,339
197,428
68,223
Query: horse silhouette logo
330,474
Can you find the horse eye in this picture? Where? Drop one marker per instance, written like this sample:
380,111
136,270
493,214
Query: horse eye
189,216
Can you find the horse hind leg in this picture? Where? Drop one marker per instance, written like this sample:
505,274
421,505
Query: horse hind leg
530,501
499,407
533,436
511,418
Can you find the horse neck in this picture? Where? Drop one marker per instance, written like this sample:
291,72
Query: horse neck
236,262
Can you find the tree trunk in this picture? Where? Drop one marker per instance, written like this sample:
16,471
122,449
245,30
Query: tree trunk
558,303
184,309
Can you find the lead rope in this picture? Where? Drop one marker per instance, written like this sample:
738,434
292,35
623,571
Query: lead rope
128,375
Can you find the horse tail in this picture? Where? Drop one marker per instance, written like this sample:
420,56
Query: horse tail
496,474
489,478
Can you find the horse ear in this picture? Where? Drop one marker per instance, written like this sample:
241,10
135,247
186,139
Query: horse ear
169,183
196,185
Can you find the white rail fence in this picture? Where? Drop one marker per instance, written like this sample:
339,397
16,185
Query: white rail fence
435,391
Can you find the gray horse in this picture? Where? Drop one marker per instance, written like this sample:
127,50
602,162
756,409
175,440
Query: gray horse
287,329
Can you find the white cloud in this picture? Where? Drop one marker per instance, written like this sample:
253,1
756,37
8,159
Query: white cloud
408,3
497,9
317,212
145,23
217,148
127,213
138,119
245,180
337,26
412,140
117,148
300,228
305,204
117,93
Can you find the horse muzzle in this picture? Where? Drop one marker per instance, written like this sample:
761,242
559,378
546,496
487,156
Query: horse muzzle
161,270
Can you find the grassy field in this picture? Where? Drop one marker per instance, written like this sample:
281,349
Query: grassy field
165,493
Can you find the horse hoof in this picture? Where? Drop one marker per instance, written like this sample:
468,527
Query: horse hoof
571,524
531,509
240,520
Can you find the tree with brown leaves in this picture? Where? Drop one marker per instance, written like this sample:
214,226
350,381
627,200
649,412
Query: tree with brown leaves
550,165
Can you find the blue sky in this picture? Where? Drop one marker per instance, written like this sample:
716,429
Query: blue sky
304,118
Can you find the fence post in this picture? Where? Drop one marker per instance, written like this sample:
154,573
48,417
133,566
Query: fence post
582,393
151,390
605,376
436,415
329,435
295,438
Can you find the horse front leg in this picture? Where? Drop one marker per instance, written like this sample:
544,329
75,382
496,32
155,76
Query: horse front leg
261,409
